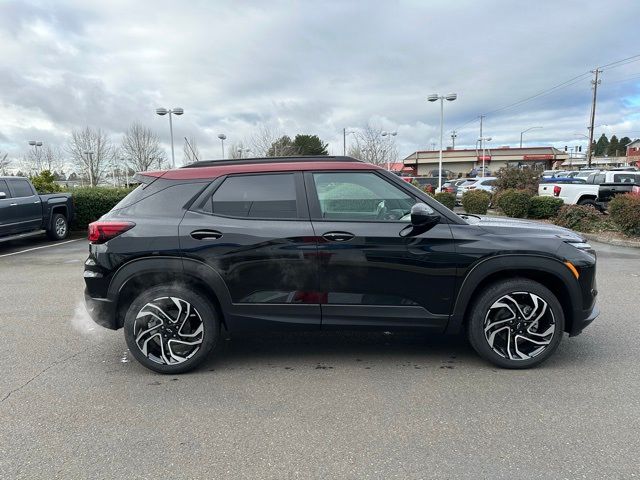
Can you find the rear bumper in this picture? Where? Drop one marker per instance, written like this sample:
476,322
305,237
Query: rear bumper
581,322
102,311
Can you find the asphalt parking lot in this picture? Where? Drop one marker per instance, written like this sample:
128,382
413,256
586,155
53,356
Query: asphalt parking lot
74,404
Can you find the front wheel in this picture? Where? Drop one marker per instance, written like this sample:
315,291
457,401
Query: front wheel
170,329
516,323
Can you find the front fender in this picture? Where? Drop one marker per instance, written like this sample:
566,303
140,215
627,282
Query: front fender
513,265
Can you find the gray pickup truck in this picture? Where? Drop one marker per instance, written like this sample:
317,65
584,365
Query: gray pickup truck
24,213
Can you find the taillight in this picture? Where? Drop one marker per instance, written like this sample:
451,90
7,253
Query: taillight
102,231
556,190
635,190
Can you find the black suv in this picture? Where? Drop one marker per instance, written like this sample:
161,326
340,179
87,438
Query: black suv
325,243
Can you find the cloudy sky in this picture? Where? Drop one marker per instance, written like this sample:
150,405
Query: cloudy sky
315,67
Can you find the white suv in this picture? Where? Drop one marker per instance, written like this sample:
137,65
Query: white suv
483,183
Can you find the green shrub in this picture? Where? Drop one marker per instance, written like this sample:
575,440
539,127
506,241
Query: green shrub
44,182
447,199
625,213
519,179
476,201
544,207
514,203
92,203
583,218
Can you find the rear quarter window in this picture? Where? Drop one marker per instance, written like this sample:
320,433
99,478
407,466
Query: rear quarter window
626,178
165,199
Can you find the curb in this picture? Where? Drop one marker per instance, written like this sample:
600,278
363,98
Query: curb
618,242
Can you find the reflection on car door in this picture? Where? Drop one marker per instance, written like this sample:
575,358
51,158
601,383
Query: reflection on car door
254,230
368,274
26,208
5,209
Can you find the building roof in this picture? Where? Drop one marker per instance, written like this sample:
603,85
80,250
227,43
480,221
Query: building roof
494,152
218,169
635,143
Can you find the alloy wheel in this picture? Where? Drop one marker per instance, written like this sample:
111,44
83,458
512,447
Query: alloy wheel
61,227
168,330
519,326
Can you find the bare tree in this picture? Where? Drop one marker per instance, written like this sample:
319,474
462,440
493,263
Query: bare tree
141,148
52,158
370,146
263,139
239,150
191,151
91,152
4,163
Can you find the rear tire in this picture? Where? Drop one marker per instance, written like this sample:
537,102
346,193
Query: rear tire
59,227
516,323
588,202
171,329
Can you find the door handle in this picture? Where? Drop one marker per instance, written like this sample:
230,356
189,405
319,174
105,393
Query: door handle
206,234
338,236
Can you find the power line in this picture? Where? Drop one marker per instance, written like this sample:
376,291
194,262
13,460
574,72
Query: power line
619,63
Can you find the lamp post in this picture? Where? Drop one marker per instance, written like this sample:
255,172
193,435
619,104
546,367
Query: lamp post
222,138
390,135
35,146
483,141
525,131
89,155
344,140
243,150
433,98
171,111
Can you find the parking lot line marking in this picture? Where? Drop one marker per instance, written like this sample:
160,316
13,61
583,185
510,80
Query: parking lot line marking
38,248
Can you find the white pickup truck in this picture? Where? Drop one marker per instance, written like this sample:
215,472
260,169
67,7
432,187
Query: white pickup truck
580,191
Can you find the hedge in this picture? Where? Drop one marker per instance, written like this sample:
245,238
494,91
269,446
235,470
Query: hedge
625,213
514,203
476,201
447,199
544,207
583,218
92,203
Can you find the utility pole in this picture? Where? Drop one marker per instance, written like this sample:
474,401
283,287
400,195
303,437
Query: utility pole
344,142
595,82
481,117
454,134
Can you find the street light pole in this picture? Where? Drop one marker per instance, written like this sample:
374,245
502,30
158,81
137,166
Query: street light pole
35,146
433,98
171,111
389,134
482,141
525,131
222,138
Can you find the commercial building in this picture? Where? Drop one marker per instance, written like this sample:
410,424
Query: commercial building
465,160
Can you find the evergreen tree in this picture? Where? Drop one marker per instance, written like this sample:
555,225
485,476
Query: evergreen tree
614,147
624,141
282,147
310,145
601,146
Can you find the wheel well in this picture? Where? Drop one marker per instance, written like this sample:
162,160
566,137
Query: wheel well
137,284
549,280
60,209
584,198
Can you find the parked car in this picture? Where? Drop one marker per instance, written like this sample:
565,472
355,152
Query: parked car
624,182
429,184
325,243
487,184
445,173
451,186
580,192
24,213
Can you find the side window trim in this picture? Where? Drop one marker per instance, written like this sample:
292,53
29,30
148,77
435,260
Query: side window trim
200,204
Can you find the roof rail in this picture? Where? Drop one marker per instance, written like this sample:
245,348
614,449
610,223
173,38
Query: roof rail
245,161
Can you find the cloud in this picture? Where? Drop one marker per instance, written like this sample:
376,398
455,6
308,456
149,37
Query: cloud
313,67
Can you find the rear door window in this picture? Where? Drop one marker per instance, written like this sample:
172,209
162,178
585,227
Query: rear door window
268,196
21,188
626,178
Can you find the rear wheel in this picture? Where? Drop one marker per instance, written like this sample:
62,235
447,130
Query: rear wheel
170,329
516,323
588,202
59,227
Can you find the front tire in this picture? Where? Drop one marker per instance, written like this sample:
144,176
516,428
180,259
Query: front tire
516,323
59,227
170,329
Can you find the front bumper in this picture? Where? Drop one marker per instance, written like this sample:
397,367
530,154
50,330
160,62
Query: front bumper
582,321
102,311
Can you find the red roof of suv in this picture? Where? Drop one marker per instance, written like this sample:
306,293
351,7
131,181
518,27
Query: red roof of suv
210,170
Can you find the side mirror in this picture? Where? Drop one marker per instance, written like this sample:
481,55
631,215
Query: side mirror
422,219
3,195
